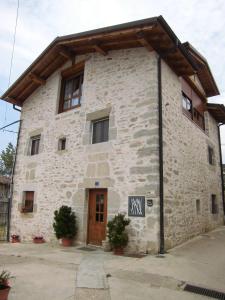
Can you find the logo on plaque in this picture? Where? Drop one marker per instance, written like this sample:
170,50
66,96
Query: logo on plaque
136,206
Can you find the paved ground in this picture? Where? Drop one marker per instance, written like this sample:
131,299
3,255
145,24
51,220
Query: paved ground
49,272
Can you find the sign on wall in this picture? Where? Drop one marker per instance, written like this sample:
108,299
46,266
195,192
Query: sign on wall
136,206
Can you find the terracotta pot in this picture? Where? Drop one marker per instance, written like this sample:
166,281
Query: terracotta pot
4,293
118,251
67,242
15,240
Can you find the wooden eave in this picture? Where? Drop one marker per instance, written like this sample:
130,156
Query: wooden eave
153,34
217,111
204,73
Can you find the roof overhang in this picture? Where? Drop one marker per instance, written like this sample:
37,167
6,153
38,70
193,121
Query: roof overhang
217,111
153,34
204,73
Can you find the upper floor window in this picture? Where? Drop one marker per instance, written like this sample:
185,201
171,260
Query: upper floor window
211,155
100,131
35,143
28,201
71,92
187,103
192,112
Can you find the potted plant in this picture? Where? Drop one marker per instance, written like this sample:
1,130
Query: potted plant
15,238
38,239
64,225
118,237
4,285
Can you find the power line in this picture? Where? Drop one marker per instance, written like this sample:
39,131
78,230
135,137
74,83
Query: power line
13,49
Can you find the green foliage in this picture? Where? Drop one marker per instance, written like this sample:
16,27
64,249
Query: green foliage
7,159
65,223
117,235
4,277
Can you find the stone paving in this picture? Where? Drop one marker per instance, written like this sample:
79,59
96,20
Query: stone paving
52,272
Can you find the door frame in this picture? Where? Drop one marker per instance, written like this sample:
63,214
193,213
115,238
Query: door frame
88,216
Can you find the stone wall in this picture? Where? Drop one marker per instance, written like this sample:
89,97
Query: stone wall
188,176
123,85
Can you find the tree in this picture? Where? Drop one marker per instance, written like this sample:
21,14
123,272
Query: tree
6,160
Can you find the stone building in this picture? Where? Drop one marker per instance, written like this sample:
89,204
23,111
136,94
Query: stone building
117,120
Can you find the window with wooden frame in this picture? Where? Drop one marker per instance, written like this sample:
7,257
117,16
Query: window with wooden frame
34,144
187,104
210,155
71,92
100,131
214,206
28,202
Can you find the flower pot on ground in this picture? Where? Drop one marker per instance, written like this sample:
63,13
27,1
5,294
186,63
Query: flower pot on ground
4,285
15,238
38,240
118,237
65,225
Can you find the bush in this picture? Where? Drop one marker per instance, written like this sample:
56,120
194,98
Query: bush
117,235
65,223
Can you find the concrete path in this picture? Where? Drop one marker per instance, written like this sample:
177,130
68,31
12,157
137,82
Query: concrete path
91,274
53,272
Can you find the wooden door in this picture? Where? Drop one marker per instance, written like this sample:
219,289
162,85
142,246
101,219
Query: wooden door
97,219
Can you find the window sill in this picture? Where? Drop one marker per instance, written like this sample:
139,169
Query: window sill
70,109
25,211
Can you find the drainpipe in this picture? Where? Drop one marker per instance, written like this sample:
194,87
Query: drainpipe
12,182
161,191
14,107
221,167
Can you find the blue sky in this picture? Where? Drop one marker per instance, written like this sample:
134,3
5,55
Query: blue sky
202,23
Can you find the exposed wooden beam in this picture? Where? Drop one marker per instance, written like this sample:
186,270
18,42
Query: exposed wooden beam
145,44
99,49
14,101
37,79
68,54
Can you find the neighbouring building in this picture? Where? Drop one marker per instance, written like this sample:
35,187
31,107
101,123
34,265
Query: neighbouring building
4,206
117,120
4,188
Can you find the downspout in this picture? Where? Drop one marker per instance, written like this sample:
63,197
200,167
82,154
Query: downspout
14,107
161,190
221,167
12,182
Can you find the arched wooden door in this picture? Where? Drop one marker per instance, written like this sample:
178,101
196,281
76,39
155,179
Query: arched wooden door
97,216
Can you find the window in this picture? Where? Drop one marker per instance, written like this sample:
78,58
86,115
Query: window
71,92
100,131
187,103
198,206
193,113
28,203
214,207
210,155
35,142
62,144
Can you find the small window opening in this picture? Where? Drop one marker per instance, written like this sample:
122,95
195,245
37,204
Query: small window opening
35,143
211,155
214,206
62,144
28,202
198,206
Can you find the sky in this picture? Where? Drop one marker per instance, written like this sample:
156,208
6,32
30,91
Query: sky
202,23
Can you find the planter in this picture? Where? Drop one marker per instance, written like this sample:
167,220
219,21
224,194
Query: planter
67,242
39,240
4,293
118,251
